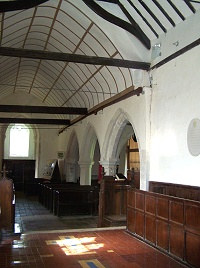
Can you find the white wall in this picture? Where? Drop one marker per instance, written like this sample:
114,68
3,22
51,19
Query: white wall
175,102
45,140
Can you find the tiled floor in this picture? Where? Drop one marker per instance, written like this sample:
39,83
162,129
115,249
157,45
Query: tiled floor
87,248
32,216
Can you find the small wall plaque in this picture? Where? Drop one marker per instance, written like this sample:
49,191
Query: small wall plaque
193,137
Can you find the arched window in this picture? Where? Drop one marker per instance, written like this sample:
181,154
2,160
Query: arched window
19,141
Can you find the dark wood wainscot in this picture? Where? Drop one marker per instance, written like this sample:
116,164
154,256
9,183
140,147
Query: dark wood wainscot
20,171
168,223
112,202
51,174
178,190
7,204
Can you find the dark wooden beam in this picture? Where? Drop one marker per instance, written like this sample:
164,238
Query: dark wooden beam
133,29
34,121
42,109
125,94
109,1
190,5
57,56
177,54
11,5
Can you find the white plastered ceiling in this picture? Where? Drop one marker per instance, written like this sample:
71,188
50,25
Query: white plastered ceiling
70,26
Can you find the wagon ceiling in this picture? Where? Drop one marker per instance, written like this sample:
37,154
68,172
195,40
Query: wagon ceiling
76,57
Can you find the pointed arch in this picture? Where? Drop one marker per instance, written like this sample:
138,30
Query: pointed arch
73,147
71,159
89,143
111,146
89,153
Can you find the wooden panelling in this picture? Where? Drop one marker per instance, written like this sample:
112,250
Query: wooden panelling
162,235
176,212
139,201
150,229
131,220
131,198
112,202
192,214
176,242
169,223
177,190
193,249
139,227
151,204
163,208
19,171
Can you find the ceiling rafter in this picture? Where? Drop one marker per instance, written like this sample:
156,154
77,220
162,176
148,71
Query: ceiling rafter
119,22
164,12
176,9
66,64
57,56
24,42
13,5
190,5
132,21
193,1
42,109
143,18
152,15
87,80
46,42
6,120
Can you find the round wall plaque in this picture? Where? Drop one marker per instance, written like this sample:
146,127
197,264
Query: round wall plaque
193,137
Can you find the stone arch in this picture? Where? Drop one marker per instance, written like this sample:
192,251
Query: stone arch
114,140
73,147
71,159
86,160
88,144
111,144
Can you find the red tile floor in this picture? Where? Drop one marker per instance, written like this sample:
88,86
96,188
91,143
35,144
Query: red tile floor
108,248
87,248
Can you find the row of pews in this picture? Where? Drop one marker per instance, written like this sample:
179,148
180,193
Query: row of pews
68,198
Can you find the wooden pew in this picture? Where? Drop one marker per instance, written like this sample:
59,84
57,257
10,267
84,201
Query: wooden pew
42,189
82,200
49,189
31,186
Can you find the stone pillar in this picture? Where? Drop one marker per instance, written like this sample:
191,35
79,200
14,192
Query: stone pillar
109,166
85,172
70,171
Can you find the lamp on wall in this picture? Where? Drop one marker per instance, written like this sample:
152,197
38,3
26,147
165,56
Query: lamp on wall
156,51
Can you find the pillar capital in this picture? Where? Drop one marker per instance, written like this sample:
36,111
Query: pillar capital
109,166
85,163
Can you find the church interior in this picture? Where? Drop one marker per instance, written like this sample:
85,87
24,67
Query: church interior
99,133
